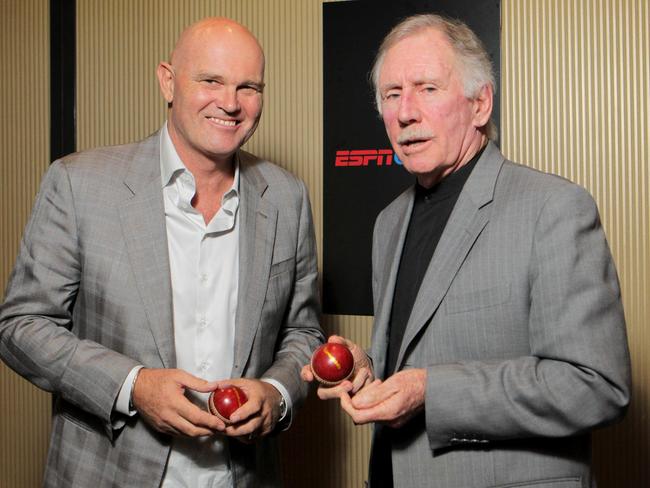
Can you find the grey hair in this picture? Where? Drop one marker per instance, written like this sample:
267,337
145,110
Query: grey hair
472,58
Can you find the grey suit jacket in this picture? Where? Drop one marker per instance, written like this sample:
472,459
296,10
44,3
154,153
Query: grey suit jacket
90,298
520,326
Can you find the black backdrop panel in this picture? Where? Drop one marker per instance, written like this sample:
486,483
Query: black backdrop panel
361,175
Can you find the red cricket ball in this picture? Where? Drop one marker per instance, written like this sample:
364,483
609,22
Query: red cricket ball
224,401
332,363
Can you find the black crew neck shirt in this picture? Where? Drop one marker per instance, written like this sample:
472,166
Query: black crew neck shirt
431,211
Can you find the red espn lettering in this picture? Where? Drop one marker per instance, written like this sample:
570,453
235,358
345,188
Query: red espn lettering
361,157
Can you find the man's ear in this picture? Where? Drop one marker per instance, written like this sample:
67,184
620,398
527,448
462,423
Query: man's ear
165,74
482,105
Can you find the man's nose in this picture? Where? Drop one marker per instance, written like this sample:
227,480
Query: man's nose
409,111
229,100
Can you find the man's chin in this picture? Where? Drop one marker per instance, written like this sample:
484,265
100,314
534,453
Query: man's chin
220,154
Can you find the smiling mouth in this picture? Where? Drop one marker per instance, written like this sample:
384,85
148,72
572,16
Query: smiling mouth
222,122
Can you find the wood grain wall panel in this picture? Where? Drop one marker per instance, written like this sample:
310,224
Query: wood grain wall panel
24,153
324,448
575,102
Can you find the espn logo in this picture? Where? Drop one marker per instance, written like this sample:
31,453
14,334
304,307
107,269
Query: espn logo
364,157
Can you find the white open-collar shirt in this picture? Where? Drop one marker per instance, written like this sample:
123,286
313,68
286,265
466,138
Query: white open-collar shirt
204,265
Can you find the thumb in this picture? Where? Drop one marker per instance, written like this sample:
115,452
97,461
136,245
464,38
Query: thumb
337,339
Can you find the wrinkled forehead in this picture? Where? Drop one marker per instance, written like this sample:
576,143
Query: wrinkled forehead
421,57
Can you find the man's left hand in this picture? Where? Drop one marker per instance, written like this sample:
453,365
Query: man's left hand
259,415
392,402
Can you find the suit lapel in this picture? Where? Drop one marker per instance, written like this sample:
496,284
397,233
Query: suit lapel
256,241
398,221
143,224
465,224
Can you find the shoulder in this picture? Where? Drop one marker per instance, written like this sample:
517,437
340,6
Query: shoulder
528,202
109,163
279,182
99,174
524,185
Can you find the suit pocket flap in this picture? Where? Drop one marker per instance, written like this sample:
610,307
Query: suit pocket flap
78,416
475,300
569,482
282,266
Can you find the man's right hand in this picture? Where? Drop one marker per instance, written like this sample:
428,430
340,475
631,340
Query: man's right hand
158,395
361,376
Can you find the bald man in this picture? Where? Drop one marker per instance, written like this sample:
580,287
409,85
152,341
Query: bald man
152,273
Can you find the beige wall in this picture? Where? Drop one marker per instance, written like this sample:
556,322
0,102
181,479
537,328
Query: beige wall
576,76
24,153
574,93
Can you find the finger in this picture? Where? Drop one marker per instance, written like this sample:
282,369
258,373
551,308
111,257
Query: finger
360,379
187,428
396,413
253,406
199,417
361,360
355,415
167,429
306,373
336,339
331,392
254,428
365,416
223,384
197,384
245,412
352,346
173,420
247,387
250,427
371,395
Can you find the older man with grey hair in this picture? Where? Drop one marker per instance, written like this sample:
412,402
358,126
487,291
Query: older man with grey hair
499,338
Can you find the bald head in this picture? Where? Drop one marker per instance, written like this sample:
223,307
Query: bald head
213,86
213,30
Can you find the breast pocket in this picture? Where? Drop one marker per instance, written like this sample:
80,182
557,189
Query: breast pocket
280,285
476,300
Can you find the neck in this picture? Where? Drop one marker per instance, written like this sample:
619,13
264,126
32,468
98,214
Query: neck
213,176
467,152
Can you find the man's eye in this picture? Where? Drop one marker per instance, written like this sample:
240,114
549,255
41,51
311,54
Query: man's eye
391,96
249,90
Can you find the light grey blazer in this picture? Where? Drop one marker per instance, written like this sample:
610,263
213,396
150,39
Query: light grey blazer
520,326
90,298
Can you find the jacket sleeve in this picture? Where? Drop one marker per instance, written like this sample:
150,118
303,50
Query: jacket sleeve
300,331
36,317
577,376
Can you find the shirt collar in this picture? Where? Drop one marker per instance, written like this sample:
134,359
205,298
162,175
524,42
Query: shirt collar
450,185
171,163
